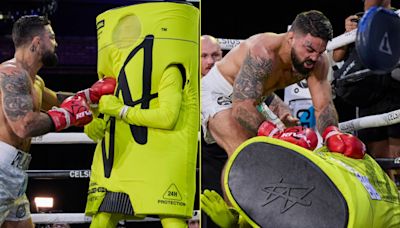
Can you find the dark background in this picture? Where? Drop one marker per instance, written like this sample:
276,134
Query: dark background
241,19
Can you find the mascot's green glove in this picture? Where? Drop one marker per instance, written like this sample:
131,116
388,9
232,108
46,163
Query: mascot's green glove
95,129
112,106
216,208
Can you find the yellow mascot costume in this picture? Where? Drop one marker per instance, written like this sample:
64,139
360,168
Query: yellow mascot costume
146,162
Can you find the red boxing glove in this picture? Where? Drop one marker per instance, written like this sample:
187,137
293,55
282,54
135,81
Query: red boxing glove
102,87
74,111
268,128
304,137
344,143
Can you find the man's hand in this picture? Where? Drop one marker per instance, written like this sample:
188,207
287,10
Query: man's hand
102,87
95,129
289,120
216,208
351,23
344,143
74,111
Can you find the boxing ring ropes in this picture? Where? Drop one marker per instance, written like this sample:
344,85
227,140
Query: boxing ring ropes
384,119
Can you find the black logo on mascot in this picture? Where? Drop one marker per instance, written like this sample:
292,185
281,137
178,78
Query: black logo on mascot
285,194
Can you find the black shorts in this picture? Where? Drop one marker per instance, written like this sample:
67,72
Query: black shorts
390,102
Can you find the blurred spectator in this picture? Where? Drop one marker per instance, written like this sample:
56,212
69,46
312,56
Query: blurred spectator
210,53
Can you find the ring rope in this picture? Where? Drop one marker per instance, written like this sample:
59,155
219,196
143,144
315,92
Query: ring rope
388,163
59,174
79,218
63,138
339,41
62,174
379,120
228,44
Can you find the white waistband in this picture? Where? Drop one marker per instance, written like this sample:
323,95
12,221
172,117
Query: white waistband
12,156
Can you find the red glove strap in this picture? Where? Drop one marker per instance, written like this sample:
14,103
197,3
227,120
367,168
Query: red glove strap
60,118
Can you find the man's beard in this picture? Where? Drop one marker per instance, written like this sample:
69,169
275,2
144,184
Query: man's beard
299,65
49,59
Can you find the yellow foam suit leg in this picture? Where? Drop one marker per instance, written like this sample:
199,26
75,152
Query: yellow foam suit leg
173,222
105,220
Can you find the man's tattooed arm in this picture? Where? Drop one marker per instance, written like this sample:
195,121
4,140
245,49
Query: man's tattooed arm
18,107
248,90
279,107
327,117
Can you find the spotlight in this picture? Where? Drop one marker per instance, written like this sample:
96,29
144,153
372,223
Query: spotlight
43,203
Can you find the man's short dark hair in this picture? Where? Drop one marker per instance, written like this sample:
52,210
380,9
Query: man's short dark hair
27,27
313,22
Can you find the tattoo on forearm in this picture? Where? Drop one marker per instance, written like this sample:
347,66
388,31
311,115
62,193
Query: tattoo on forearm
40,126
327,118
17,97
279,107
250,81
